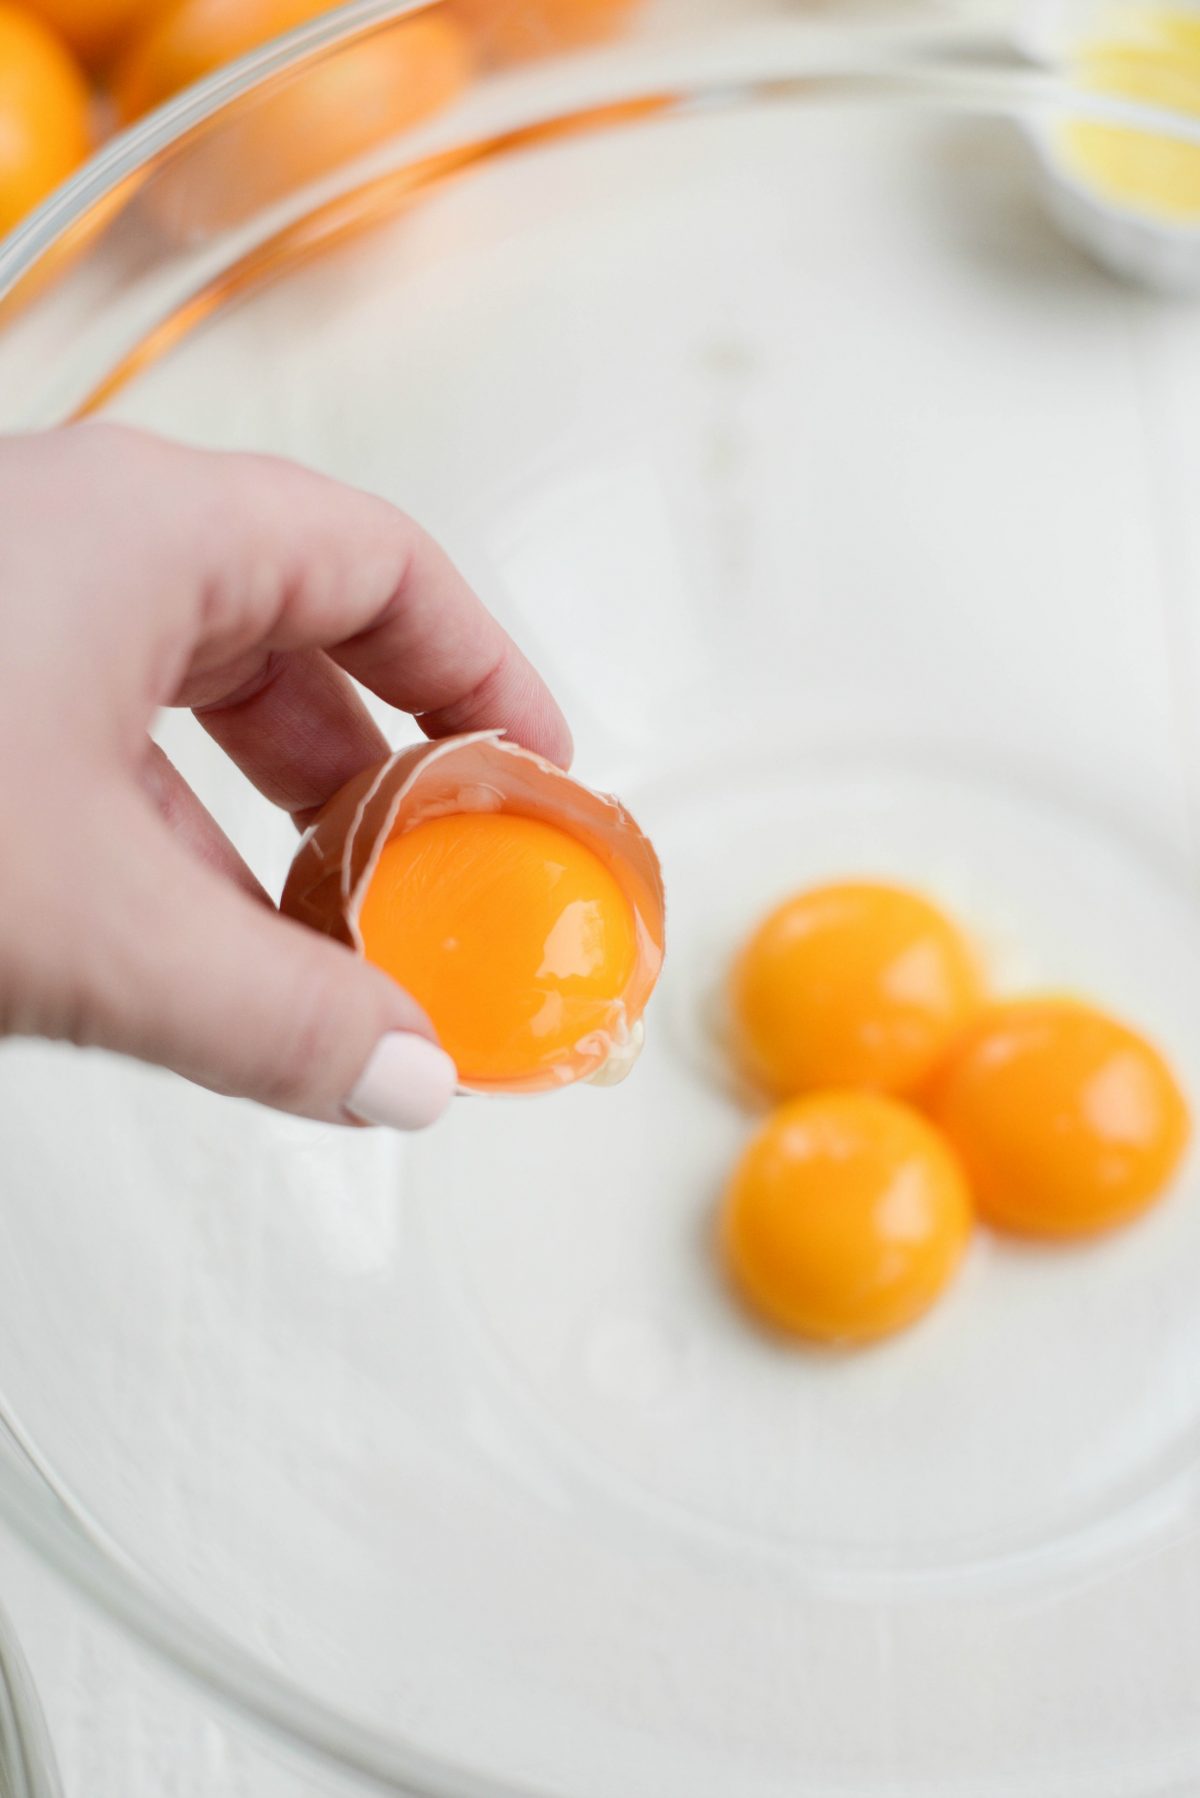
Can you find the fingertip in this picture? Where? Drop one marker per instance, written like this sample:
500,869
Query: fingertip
549,735
543,728
521,701
513,699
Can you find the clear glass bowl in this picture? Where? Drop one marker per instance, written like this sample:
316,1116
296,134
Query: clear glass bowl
851,513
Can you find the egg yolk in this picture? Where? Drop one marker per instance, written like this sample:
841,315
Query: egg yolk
845,1218
1067,1121
512,934
1156,63
860,985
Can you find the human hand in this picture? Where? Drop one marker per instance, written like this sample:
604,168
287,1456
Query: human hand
135,574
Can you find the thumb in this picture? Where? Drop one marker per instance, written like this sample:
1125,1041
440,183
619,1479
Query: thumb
193,973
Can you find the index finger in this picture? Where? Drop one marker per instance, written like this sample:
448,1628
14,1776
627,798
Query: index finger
243,559
358,578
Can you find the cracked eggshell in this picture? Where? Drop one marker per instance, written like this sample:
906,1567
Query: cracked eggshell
339,852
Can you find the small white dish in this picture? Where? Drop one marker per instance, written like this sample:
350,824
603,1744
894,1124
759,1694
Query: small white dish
1152,249
1155,252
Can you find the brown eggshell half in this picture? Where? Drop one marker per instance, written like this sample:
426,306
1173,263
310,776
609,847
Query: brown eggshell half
339,852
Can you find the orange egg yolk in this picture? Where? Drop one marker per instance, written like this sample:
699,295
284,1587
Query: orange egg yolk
1067,1121
512,934
860,985
845,1218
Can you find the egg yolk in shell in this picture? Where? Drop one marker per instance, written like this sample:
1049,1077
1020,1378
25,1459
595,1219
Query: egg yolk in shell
512,934
1066,1120
845,1217
852,985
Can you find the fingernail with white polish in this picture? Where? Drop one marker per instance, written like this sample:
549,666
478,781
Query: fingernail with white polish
407,1084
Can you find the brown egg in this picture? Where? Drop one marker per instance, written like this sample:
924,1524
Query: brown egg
522,910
